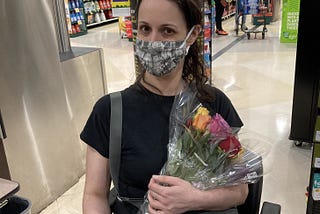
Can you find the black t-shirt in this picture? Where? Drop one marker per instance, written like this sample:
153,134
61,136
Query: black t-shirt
145,133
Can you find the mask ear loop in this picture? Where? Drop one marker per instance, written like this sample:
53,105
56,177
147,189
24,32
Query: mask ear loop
187,50
187,37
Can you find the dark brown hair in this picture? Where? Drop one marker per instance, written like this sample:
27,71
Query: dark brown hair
193,70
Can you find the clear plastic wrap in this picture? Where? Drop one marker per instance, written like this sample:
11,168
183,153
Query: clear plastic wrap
204,150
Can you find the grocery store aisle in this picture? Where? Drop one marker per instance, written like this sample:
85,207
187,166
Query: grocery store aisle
258,76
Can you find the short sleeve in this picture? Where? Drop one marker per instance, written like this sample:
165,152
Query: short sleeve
223,105
96,130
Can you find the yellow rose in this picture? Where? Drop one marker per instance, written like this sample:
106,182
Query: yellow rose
202,111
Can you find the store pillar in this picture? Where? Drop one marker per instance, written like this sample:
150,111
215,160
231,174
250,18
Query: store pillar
306,82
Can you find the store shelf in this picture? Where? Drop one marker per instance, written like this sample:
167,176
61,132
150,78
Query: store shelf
98,12
206,37
78,34
115,19
75,18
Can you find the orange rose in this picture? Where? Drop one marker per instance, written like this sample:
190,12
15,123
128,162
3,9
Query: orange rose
201,119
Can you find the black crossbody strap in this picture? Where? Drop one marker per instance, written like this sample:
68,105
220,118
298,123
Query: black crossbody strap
115,137
115,151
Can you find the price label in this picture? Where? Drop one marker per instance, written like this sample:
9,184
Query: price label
316,187
77,10
317,137
79,22
317,163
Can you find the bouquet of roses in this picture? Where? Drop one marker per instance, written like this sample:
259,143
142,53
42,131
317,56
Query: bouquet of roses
204,150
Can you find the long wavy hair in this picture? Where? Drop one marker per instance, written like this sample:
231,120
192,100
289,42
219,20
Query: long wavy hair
193,70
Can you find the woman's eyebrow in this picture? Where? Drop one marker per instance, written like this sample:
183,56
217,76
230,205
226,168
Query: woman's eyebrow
170,25
143,22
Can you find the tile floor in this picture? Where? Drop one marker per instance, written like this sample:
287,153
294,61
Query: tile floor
258,76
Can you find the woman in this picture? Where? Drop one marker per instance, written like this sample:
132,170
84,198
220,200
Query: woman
146,109
220,5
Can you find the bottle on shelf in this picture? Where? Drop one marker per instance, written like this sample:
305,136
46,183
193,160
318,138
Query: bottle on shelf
102,16
74,31
109,5
78,30
81,16
73,4
78,16
72,17
97,18
70,5
97,6
110,14
77,3
105,6
101,5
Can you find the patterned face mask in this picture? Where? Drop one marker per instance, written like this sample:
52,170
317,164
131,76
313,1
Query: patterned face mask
161,57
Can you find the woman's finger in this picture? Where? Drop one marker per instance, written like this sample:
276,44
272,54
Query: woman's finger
154,204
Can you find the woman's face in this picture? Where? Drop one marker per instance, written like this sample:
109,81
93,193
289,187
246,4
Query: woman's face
161,20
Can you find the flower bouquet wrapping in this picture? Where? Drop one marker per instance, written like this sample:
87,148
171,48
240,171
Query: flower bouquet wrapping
204,150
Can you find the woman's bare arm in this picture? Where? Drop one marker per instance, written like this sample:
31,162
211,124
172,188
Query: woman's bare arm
97,183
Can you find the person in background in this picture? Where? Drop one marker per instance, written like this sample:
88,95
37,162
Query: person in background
170,29
240,15
220,6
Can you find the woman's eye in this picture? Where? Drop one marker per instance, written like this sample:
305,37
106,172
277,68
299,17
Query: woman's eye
144,29
168,31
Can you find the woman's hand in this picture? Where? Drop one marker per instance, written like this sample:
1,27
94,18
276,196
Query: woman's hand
170,195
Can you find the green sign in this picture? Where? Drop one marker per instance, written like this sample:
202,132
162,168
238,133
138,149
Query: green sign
290,21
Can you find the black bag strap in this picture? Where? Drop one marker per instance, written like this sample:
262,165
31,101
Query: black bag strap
115,137
115,150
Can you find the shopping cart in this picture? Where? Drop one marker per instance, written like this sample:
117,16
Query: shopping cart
260,11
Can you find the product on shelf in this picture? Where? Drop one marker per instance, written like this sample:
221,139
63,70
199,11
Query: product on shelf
208,24
75,17
97,18
207,34
95,8
206,21
206,7
207,57
125,27
102,16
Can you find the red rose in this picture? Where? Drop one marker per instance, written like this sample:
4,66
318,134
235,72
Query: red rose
189,122
230,145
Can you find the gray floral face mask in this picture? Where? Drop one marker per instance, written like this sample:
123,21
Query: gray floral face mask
161,57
